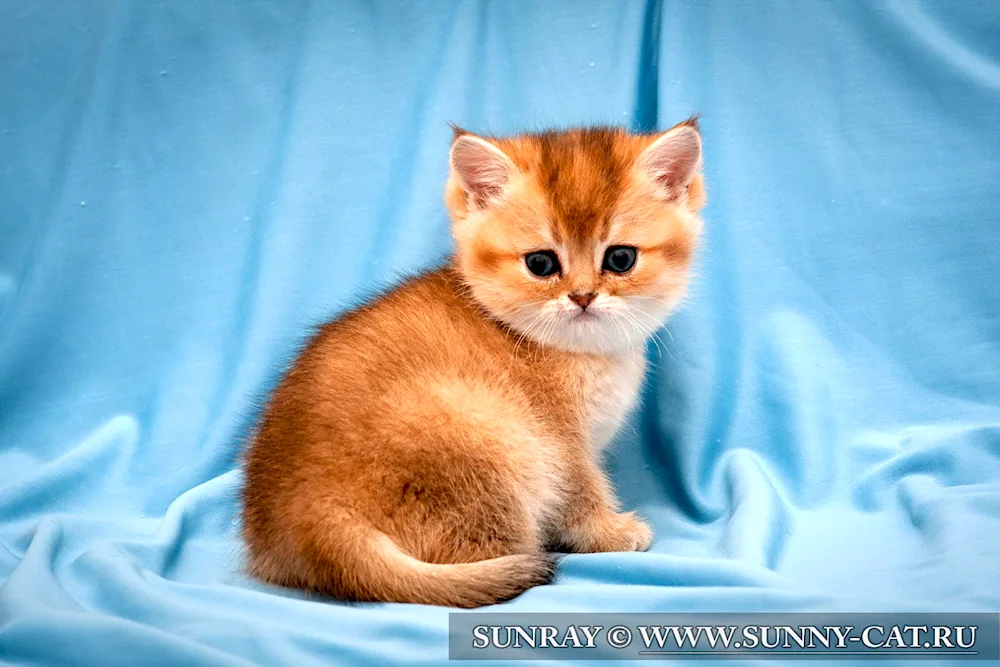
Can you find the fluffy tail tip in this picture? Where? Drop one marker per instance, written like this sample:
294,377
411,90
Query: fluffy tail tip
533,570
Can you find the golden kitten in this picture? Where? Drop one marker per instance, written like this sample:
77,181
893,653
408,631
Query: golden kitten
435,444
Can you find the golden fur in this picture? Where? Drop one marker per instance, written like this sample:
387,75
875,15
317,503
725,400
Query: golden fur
434,445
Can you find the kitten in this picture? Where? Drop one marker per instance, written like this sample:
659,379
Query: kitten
435,444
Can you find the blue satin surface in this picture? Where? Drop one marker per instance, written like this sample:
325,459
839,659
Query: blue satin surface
187,187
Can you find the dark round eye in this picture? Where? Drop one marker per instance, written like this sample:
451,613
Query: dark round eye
619,258
542,263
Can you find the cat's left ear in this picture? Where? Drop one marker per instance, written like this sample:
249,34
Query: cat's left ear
672,161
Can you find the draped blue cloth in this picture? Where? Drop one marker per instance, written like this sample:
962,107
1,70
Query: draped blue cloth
187,187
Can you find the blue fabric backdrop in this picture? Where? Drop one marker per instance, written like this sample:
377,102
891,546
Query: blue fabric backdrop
186,186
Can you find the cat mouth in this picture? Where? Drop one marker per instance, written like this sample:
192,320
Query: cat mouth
584,316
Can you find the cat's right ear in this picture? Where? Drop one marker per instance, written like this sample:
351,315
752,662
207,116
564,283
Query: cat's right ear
480,169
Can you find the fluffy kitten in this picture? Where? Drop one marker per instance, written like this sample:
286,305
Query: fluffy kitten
435,444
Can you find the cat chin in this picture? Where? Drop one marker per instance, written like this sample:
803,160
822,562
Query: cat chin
595,334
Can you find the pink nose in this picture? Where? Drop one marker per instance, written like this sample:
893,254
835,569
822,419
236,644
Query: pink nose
582,299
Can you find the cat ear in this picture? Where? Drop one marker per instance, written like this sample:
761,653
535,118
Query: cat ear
673,160
480,169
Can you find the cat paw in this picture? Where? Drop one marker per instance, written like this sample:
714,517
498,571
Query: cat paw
619,532
631,533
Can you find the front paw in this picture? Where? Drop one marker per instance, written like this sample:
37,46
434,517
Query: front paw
621,532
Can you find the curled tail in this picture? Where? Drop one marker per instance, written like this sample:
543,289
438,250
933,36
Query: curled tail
364,564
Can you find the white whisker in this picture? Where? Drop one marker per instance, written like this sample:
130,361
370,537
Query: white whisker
650,330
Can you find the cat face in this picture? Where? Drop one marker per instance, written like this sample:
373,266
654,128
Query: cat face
580,239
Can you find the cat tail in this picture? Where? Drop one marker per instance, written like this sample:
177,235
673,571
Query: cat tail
369,566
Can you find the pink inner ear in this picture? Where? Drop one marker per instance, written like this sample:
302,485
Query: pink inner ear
673,160
482,169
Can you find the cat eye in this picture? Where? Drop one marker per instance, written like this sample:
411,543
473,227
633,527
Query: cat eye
619,258
542,263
